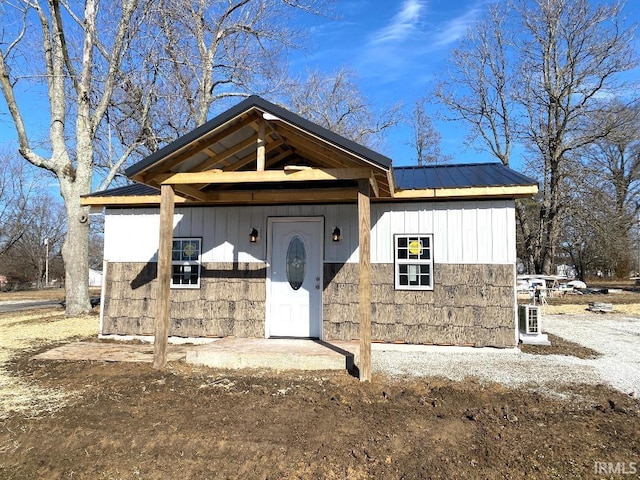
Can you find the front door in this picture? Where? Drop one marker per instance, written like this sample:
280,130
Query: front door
294,278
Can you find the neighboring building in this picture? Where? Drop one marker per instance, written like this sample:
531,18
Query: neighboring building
95,278
271,213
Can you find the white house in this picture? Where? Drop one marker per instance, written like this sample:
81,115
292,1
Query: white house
260,223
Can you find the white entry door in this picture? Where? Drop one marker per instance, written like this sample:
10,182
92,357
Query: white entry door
294,277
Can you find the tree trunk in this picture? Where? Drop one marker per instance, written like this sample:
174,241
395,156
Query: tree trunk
552,223
75,250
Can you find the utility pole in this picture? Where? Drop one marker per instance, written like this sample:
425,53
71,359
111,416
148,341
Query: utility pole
46,263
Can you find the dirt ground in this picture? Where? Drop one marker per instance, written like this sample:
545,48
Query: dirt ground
103,420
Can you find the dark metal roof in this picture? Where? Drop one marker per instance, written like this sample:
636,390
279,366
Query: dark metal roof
458,176
262,104
135,189
407,178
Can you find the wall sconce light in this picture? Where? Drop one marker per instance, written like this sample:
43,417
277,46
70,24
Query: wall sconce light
335,235
253,236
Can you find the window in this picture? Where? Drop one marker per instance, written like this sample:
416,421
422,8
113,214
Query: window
296,261
413,255
185,263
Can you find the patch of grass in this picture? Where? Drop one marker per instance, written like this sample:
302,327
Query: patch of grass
26,331
44,294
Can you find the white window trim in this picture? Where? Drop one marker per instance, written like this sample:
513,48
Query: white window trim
397,262
197,263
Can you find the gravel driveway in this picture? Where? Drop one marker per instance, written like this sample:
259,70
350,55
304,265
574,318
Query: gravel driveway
616,337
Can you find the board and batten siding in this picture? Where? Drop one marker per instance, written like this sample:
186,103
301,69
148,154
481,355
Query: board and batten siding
464,232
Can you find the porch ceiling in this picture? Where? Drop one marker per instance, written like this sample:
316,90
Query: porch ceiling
259,151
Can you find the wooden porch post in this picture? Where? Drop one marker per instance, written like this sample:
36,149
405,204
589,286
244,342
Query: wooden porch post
261,147
167,204
364,285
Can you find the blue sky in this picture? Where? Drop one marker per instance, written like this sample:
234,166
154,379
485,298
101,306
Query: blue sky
397,48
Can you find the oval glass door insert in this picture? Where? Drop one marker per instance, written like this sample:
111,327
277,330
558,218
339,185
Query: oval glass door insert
296,262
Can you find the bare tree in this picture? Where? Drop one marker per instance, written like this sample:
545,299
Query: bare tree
479,83
96,243
80,58
425,139
573,52
16,190
591,237
336,103
615,157
25,260
540,90
611,166
479,90
113,79
216,50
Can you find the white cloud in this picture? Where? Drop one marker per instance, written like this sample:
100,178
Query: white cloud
456,28
403,24
412,42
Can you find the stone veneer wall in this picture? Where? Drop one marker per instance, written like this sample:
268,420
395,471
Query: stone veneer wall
469,305
230,301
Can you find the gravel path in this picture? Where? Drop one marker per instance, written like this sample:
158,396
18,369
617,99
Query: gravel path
616,337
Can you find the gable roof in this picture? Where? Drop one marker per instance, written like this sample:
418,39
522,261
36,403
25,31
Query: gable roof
254,136
255,102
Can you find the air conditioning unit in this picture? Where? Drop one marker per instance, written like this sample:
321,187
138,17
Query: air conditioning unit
529,316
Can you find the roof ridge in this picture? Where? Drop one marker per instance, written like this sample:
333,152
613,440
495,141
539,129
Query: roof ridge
448,165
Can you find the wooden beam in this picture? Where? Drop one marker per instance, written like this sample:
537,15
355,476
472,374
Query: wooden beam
252,158
163,304
260,147
333,161
391,182
364,283
316,153
313,174
382,180
281,156
296,168
192,149
374,185
319,195
300,134
512,191
189,191
212,155
316,195
126,200
308,195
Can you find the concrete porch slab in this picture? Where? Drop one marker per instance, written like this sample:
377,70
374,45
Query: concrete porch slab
278,354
